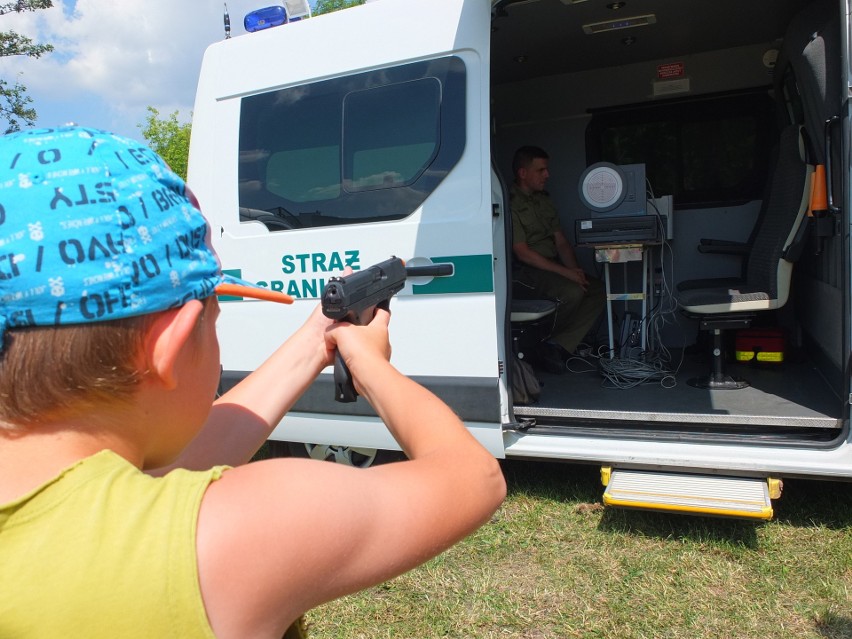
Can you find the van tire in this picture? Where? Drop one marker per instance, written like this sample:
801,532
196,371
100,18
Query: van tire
347,455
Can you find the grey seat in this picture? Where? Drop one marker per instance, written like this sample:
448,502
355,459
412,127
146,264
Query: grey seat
778,243
532,322
807,80
531,310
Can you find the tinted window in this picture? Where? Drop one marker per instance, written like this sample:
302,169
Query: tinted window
707,151
364,148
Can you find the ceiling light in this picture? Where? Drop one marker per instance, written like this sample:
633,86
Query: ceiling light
615,5
624,23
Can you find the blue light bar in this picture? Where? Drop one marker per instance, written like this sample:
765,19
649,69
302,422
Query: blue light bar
265,18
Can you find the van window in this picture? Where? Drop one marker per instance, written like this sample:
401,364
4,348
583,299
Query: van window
390,134
365,148
706,152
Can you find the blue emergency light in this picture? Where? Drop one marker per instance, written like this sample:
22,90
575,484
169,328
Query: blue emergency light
265,18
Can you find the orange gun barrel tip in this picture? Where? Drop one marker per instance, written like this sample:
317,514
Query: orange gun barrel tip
238,290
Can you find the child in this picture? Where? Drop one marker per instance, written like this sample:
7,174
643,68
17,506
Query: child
109,364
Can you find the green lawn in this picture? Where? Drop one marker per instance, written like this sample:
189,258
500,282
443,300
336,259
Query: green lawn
554,563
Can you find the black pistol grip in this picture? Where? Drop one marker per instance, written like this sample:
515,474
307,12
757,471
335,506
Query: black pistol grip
344,388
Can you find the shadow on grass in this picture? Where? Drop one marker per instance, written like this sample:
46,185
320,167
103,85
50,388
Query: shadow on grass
804,503
554,481
578,484
808,503
712,530
834,626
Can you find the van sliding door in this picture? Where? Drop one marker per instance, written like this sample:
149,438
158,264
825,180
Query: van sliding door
361,135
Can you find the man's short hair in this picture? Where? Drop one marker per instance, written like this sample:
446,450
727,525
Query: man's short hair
525,155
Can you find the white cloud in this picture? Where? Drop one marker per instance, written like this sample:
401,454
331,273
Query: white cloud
112,58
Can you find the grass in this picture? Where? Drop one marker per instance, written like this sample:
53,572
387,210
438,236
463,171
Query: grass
554,563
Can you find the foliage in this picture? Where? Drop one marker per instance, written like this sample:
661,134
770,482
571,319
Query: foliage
14,102
169,138
328,6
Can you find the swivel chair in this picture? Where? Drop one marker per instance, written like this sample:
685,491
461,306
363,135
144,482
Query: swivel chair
778,243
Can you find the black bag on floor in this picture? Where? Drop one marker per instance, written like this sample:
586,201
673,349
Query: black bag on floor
526,387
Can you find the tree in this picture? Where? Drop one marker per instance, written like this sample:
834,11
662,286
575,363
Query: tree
327,6
169,138
14,102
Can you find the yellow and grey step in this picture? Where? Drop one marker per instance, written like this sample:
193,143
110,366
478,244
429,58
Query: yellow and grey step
742,497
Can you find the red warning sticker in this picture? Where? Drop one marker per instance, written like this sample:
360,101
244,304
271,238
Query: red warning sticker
670,70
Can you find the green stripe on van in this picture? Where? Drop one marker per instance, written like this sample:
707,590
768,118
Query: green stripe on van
473,274
233,272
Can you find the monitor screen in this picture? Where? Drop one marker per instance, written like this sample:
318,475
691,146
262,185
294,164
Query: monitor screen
610,190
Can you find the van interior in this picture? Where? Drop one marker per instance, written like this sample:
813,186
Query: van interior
734,112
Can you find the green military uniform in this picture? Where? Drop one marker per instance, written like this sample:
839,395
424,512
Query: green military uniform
535,221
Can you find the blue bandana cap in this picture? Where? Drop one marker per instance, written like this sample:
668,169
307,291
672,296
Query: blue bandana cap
96,227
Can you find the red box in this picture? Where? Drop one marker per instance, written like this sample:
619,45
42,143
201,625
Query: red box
760,344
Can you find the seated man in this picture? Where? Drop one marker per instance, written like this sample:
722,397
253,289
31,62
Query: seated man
548,264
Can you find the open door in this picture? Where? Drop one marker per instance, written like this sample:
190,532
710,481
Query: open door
312,151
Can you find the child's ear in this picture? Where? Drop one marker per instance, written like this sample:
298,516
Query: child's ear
167,337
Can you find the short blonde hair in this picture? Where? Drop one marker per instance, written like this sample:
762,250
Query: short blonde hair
50,372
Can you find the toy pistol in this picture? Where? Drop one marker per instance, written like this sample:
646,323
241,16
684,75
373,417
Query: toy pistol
354,299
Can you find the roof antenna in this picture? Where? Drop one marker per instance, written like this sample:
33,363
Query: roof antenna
227,23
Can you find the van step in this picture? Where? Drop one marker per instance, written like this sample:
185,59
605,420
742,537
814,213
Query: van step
741,497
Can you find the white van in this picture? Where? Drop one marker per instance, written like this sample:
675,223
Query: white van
389,129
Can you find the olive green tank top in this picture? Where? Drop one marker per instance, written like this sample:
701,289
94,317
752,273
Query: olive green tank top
104,551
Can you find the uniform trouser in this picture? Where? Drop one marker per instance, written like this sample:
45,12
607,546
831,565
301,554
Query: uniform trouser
576,309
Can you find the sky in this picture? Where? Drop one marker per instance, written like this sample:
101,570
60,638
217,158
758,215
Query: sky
114,58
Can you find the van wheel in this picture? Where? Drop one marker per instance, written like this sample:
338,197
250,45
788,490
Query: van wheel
346,455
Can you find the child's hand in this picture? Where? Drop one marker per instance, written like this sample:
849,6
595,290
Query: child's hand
314,330
361,347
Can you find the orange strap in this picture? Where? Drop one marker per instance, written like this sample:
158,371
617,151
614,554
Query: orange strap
819,197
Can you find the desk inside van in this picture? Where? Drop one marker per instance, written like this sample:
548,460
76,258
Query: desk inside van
623,254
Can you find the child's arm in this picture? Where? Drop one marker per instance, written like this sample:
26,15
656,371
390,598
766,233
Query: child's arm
279,537
241,420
